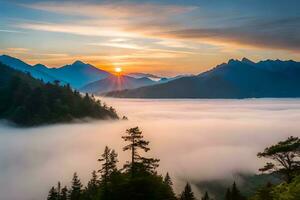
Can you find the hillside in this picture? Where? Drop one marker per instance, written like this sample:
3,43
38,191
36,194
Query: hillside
27,101
235,79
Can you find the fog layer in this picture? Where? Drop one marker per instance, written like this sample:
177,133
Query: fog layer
195,140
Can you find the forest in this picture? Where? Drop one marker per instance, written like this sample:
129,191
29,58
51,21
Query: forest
29,102
138,179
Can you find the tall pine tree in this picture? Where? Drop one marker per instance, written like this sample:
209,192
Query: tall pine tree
136,142
187,193
75,192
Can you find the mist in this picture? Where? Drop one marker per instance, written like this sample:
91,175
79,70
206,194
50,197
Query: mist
196,140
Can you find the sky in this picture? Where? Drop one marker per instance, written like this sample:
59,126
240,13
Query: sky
161,37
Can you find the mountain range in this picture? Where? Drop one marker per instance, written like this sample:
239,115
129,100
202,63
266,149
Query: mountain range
235,79
83,76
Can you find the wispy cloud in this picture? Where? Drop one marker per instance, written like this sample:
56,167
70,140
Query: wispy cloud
10,31
112,10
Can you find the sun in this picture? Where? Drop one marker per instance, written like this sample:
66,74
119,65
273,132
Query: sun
118,70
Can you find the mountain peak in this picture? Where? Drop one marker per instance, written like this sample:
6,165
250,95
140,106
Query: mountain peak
39,65
231,61
248,61
78,62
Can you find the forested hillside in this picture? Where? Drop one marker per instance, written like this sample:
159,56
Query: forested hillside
28,102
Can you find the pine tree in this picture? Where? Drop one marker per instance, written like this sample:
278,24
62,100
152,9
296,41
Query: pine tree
92,187
135,138
76,188
228,194
234,193
167,180
64,193
109,164
53,194
206,196
187,193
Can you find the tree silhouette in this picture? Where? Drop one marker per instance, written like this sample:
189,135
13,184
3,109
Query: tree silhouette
64,193
228,194
109,163
167,180
234,193
53,194
206,196
285,156
187,193
135,138
91,190
75,192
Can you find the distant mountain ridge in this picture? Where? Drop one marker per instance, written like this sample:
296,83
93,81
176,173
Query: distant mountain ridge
83,76
235,79
24,67
113,83
77,74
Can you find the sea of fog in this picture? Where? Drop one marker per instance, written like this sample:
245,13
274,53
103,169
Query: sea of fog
196,140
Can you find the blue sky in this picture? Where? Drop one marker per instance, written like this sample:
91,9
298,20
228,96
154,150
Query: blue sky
163,37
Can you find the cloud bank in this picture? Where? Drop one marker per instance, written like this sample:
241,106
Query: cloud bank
196,140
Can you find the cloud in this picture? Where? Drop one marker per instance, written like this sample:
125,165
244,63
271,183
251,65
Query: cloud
196,140
138,20
10,31
278,34
77,29
112,10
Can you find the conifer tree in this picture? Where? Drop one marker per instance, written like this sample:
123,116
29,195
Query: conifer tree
167,180
109,163
187,193
206,196
92,187
76,188
53,194
228,194
135,138
64,193
234,193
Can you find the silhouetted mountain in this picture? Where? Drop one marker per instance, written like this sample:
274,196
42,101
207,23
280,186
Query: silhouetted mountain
28,101
77,74
113,82
235,79
24,67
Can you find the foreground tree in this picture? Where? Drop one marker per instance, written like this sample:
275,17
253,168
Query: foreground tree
234,193
187,193
136,142
75,192
53,194
109,164
285,156
91,190
64,193
206,196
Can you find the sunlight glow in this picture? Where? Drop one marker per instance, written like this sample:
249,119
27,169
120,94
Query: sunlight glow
118,69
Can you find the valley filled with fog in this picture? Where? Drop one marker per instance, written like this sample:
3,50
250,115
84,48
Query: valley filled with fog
196,140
